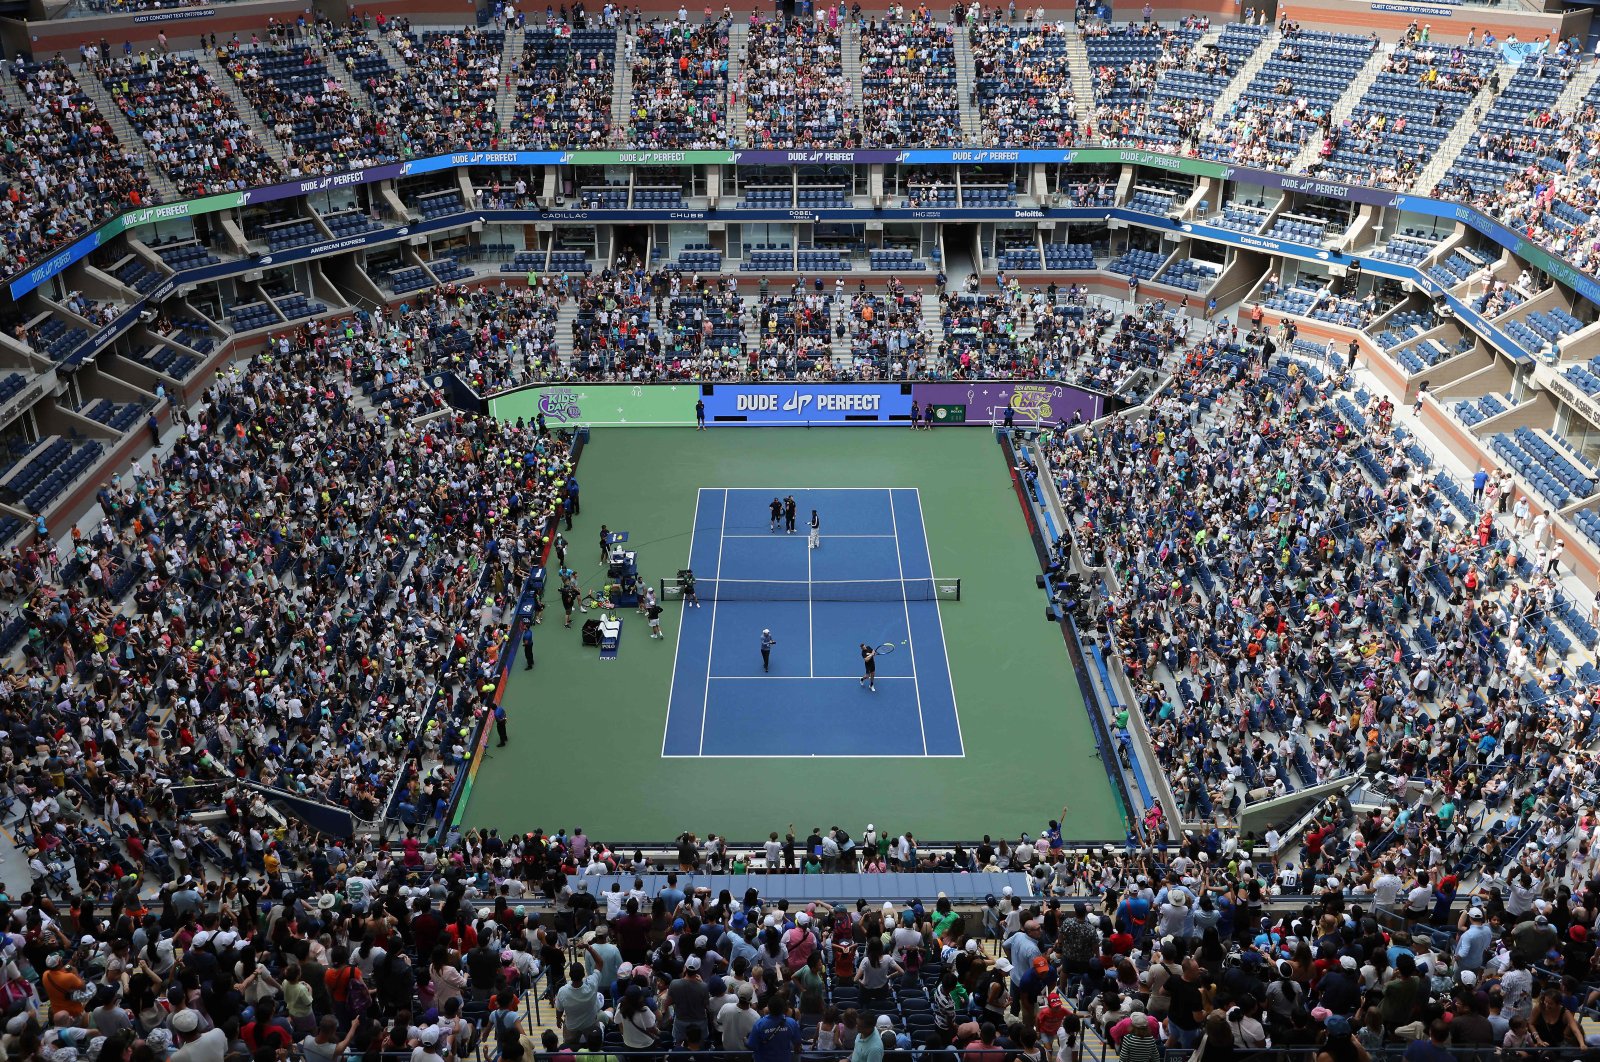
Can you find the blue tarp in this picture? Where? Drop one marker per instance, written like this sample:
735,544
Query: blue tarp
1516,54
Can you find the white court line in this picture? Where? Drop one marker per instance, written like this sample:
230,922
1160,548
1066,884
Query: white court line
682,612
911,642
773,534
812,756
711,643
944,642
792,489
807,678
811,630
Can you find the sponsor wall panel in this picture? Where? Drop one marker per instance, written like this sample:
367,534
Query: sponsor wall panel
985,401
777,404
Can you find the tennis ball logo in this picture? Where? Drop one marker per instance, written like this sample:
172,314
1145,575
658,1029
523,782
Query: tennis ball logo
1032,402
560,405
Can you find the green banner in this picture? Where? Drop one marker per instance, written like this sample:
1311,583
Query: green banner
652,158
1175,163
948,414
601,405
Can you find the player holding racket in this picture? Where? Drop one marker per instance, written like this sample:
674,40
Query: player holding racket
869,662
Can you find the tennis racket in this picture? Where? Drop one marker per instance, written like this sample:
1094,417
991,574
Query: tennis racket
885,649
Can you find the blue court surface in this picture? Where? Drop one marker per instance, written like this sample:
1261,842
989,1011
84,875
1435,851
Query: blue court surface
873,553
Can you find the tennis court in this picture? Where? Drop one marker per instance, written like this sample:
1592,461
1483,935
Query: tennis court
587,735
870,581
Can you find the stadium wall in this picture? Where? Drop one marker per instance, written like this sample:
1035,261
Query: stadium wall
43,35
182,25
779,404
1387,17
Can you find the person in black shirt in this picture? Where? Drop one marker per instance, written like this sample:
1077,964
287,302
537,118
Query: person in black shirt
869,663
777,513
569,598
700,414
788,514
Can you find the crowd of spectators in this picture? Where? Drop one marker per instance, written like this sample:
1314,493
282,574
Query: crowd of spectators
796,95
63,168
680,84
1022,82
320,588
438,96
1307,600
564,90
1056,333
320,126
373,948
1123,91
908,79
190,127
1378,130
888,330
446,97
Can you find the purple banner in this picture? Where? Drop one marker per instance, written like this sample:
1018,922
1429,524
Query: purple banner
1350,193
985,401
291,189
789,158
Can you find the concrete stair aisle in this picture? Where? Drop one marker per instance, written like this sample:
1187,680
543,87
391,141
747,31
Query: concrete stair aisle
622,91
750,322
246,109
1342,109
839,346
1571,96
738,107
505,104
565,315
347,80
1244,75
130,138
1082,75
850,59
388,43
1459,137
966,72
932,325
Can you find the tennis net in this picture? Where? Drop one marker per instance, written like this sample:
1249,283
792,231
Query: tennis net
816,589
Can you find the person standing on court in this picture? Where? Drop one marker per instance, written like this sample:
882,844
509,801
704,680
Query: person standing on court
816,531
767,642
686,583
699,414
605,543
869,663
916,415
789,508
569,598
572,497
500,724
527,642
777,513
